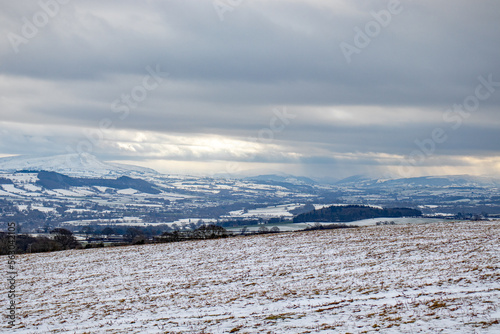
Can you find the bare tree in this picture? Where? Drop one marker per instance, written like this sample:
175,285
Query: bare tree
64,237
263,229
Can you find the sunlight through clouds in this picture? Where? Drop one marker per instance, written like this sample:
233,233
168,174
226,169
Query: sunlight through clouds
170,80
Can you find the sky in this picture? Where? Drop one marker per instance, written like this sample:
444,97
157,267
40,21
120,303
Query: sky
319,88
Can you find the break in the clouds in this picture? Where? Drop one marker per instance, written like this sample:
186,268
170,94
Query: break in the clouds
312,87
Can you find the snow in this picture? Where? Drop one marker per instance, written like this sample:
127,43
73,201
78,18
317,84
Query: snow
428,206
12,189
22,207
175,197
186,221
441,214
322,206
32,187
43,209
78,210
21,177
83,191
65,192
284,227
128,191
414,278
267,212
71,164
125,221
403,220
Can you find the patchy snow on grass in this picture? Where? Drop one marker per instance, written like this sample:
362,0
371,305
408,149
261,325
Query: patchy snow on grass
22,207
128,191
102,189
322,206
187,221
282,210
32,187
43,209
67,193
415,278
78,210
6,194
125,221
12,189
21,177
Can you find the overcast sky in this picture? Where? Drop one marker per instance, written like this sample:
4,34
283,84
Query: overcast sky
306,87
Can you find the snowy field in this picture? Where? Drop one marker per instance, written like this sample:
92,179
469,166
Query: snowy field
415,278
287,227
282,210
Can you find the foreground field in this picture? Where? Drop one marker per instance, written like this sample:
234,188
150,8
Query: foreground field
429,278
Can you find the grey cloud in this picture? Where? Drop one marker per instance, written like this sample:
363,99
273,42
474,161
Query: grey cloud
226,77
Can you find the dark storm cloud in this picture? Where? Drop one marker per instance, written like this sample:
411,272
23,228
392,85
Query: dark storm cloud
423,47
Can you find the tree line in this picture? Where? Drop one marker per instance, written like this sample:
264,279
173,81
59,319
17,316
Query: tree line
350,213
62,239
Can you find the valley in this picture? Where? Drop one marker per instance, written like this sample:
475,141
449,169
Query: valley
42,198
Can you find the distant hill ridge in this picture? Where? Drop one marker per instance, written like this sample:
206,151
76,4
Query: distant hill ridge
53,180
354,212
74,164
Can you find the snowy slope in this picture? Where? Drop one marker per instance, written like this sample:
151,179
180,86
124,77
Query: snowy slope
429,278
423,181
71,164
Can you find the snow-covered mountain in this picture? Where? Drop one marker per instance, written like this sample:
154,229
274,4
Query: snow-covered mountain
284,178
443,181
71,164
